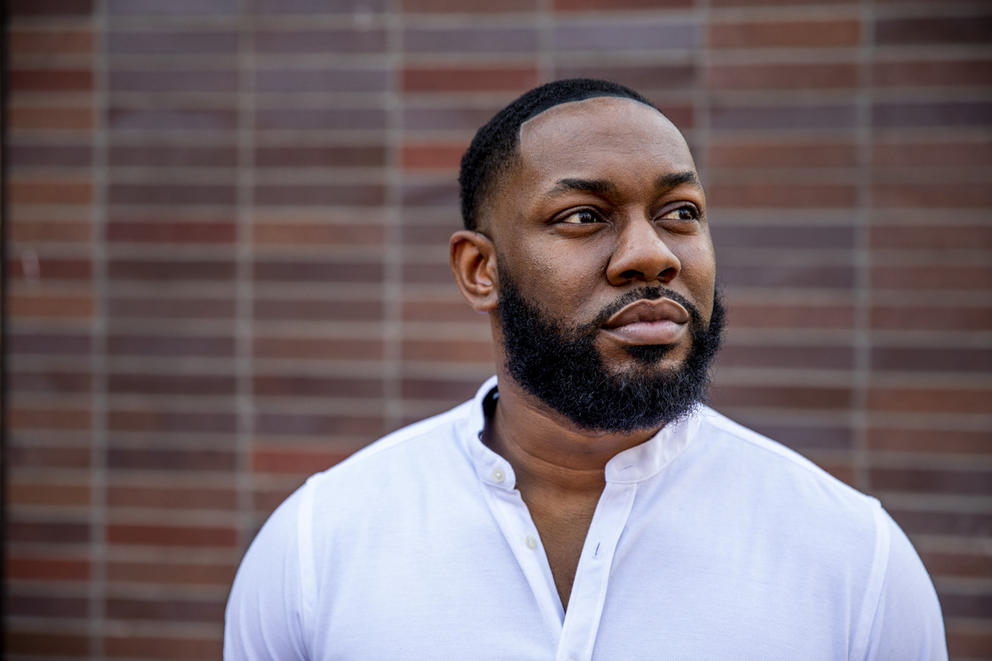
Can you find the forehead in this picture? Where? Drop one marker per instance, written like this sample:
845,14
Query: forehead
600,132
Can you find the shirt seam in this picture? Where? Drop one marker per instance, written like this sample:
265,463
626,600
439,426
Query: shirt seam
872,600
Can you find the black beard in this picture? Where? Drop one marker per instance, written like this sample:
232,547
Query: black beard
562,367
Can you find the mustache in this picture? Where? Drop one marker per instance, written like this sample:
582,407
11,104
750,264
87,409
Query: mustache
648,293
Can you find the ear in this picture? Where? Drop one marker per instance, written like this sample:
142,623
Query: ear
473,263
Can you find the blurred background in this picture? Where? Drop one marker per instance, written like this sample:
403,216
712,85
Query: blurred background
226,265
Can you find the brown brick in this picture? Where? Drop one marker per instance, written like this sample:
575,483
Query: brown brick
22,455
468,79
33,493
169,307
23,155
455,310
170,384
968,643
320,156
48,268
170,536
930,195
50,306
923,400
196,572
47,567
931,238
496,6
944,152
934,29
949,318
120,118
48,606
371,40
642,77
170,345
418,194
318,233
297,195
787,275
296,461
171,195
164,609
793,397
787,357
48,231
312,271
161,459
275,309
805,437
163,154
50,380
49,417
782,76
49,643
767,153
318,348
932,359
49,7
341,119
942,522
790,237
311,386
964,604
642,34
172,232
455,390
463,351
190,648
428,235
432,156
470,39
432,273
183,497
929,440
166,270
935,277
945,73
462,117
164,421
319,425
48,343
974,565
931,114
819,33
49,190
772,3
55,532
180,42
172,80
931,481
62,118
49,80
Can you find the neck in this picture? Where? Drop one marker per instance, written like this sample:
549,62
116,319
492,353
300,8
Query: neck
546,450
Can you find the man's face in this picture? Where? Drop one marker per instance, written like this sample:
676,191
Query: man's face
603,248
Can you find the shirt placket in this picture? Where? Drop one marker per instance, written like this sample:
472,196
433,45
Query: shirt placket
592,576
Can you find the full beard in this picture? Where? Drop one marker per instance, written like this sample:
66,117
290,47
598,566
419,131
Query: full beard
561,366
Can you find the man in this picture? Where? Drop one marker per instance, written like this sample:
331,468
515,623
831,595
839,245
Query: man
585,504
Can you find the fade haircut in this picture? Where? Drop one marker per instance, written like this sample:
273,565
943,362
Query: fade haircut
495,144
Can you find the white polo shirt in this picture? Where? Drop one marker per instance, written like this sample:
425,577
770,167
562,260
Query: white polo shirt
709,542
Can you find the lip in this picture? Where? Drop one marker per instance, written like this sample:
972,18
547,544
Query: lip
659,321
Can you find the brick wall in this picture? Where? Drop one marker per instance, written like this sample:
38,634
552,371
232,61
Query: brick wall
226,265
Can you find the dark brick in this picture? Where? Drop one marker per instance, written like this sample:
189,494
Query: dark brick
783,117
782,76
468,79
638,76
48,343
171,536
55,532
166,270
787,357
934,29
175,460
470,39
171,195
164,42
932,114
170,384
930,480
610,37
175,119
49,80
310,271
21,154
317,156
163,154
448,6
320,118
321,80
49,380
144,307
164,610
46,606
49,643
932,359
171,232
830,237
320,195
153,7
372,40
163,421
49,7
314,386
785,397
283,308
170,345
817,33
170,80
353,7
318,425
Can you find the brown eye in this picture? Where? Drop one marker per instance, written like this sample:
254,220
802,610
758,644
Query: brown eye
581,217
685,212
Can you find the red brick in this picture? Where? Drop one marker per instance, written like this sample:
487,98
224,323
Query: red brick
791,397
164,609
49,80
314,386
642,77
320,156
170,307
272,309
191,572
174,459
181,497
452,389
319,195
296,461
454,310
930,195
967,644
782,76
171,536
942,522
929,400
767,153
973,565
448,350
432,156
318,425
468,79
931,481
35,493
49,417
163,421
781,356
818,33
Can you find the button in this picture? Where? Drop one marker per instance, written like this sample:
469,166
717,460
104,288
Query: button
531,542
499,475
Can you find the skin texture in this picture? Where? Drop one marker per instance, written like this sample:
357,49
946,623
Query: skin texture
602,199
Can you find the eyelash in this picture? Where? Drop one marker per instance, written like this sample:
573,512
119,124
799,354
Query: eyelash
597,216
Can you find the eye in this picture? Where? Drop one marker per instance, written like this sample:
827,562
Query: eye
581,217
685,212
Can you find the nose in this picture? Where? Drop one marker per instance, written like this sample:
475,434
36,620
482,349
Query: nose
641,254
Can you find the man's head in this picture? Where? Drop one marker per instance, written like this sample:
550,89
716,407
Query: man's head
588,239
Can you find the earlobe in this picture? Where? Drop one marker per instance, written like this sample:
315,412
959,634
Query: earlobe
473,263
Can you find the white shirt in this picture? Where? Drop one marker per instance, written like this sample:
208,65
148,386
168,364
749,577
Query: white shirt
709,542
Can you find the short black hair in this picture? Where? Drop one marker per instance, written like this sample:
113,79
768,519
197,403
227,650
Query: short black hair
496,142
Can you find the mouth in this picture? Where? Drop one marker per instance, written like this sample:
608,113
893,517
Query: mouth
659,321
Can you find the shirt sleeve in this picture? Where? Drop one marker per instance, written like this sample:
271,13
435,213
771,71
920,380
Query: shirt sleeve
264,616
908,623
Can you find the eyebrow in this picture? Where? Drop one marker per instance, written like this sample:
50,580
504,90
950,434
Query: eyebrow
603,187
